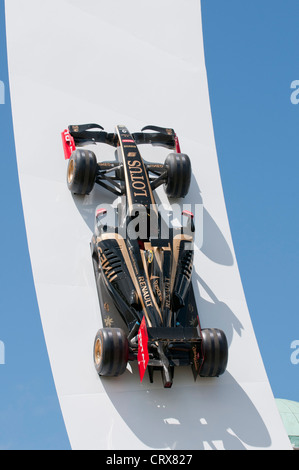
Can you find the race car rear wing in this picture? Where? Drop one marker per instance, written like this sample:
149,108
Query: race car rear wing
81,135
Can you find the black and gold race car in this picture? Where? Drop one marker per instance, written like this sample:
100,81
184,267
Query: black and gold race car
143,271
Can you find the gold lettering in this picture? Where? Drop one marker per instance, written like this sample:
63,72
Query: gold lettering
145,293
157,289
134,163
167,293
135,168
106,267
134,178
139,185
143,193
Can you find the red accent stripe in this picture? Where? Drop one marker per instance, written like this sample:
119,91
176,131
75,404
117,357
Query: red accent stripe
101,212
68,143
143,356
177,145
188,214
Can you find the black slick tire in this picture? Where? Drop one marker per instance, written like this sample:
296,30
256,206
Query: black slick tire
215,352
111,352
179,171
81,172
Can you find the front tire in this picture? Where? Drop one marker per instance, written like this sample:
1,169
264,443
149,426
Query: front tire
81,172
179,171
111,352
215,352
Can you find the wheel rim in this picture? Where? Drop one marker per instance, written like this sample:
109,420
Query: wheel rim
98,352
70,172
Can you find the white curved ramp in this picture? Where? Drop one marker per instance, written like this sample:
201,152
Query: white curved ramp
133,63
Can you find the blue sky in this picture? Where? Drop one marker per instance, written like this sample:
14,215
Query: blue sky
30,416
252,58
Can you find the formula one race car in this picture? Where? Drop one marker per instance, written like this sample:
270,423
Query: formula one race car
143,277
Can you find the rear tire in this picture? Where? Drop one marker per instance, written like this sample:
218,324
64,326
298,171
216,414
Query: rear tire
179,171
215,352
111,352
81,172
